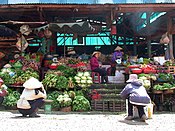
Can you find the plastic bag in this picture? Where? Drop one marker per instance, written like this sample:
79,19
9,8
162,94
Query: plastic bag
22,103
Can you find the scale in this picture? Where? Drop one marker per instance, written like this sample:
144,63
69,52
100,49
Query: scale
118,61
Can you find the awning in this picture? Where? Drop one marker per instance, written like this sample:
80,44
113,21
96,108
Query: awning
69,28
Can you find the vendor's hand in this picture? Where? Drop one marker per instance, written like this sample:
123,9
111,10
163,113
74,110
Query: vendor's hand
100,65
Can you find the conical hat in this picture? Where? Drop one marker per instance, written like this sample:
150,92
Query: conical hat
118,48
32,83
95,52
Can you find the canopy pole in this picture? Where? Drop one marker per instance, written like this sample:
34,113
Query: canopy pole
148,14
170,45
64,46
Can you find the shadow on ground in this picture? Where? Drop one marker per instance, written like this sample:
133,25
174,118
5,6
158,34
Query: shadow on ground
133,122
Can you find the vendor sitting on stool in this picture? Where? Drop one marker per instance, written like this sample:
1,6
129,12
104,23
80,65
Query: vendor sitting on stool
137,96
116,59
96,66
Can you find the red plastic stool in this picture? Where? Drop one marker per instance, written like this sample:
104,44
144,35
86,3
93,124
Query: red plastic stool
95,77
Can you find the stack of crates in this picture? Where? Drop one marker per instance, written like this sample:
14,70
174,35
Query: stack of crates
115,106
99,105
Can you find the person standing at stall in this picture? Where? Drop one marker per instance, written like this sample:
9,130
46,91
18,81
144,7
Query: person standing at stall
117,57
3,91
96,66
137,96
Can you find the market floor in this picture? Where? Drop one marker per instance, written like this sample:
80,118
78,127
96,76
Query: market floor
89,121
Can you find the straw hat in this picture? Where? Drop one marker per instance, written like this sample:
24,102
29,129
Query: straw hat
96,52
118,48
72,52
132,78
1,81
32,83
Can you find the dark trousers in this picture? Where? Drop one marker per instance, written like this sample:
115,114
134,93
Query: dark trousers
103,74
1,99
35,104
140,109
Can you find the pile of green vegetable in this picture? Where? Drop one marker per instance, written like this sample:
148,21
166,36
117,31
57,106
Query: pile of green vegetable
80,103
164,86
75,99
55,81
165,77
17,76
11,99
53,96
21,76
67,71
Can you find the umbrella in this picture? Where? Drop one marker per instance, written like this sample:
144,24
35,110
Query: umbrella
6,32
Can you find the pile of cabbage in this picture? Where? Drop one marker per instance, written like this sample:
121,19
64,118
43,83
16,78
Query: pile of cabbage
146,80
83,79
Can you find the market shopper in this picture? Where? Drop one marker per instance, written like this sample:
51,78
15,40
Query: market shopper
136,95
3,90
35,94
96,66
117,57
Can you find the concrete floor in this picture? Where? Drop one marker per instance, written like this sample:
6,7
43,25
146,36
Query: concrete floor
84,121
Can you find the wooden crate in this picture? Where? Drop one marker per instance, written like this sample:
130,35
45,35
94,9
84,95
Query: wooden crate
162,69
99,105
115,106
171,69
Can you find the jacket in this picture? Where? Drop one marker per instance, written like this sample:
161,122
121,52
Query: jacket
136,93
30,94
116,55
94,63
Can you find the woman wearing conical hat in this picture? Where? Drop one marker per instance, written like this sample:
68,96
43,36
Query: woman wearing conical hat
35,94
96,66
117,55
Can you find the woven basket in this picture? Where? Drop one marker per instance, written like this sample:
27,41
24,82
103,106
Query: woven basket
66,109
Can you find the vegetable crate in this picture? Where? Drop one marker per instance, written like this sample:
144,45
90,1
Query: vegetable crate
99,105
115,106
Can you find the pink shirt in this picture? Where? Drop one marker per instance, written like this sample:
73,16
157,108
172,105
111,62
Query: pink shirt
94,63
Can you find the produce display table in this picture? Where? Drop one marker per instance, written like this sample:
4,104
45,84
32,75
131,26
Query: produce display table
18,88
158,97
